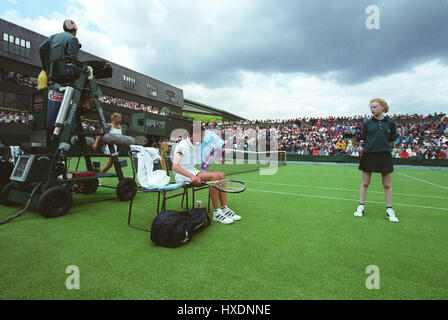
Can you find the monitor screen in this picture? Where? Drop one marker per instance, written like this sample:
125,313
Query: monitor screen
21,168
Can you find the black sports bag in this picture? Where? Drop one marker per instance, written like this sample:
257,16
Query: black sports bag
172,228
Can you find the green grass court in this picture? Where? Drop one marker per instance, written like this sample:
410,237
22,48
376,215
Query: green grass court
298,239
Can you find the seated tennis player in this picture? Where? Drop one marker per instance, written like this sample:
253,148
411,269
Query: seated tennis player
185,171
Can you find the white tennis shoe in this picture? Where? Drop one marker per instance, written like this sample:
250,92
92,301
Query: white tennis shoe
218,216
230,214
390,214
359,211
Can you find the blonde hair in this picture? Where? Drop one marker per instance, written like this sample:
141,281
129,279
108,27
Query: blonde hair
382,103
114,115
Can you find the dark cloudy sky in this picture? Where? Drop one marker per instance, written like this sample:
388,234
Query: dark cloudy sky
269,59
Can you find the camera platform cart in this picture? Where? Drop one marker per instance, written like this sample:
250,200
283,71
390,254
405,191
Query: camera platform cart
40,177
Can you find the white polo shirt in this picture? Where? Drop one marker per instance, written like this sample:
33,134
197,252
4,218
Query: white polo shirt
190,157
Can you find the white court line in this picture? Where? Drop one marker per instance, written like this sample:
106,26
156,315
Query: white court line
344,199
337,175
329,188
421,180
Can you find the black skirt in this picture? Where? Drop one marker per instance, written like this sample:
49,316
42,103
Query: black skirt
376,162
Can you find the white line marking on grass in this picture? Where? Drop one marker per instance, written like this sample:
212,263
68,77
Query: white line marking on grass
336,175
421,180
342,189
345,164
344,199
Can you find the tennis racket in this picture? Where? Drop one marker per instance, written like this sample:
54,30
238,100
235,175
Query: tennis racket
228,185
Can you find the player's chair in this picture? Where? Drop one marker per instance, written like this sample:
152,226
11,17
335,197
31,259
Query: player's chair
194,189
163,192
187,188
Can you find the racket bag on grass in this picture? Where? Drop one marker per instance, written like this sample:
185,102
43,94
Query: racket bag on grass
172,228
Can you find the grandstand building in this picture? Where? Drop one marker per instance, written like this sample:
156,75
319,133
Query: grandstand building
205,113
128,92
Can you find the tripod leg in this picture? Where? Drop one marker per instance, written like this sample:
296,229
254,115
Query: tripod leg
62,147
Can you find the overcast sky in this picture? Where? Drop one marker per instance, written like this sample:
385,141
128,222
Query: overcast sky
268,59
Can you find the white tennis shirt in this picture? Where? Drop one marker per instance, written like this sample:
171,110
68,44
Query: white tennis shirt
190,157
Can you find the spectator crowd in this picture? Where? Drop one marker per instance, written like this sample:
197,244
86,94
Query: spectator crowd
418,136
130,104
18,78
29,81
7,117
22,118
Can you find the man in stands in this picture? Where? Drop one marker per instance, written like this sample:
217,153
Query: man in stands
404,154
442,153
340,146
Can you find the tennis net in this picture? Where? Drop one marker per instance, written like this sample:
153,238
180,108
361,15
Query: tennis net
237,161
234,162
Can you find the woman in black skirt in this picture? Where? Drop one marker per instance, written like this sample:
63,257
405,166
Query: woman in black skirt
378,134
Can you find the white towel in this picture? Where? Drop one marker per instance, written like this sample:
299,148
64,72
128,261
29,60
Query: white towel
145,174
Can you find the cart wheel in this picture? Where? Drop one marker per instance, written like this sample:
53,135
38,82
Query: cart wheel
126,189
55,202
89,186
4,193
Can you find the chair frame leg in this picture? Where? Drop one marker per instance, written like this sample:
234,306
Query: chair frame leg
129,219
